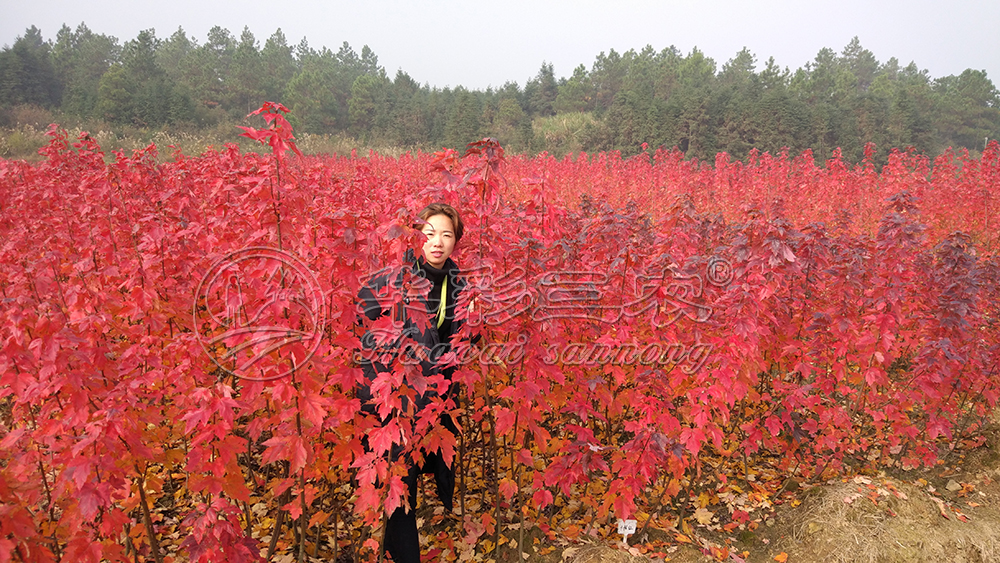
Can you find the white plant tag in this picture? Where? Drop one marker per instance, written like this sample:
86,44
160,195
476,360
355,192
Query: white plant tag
626,528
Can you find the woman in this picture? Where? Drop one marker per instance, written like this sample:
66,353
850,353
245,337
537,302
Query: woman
443,228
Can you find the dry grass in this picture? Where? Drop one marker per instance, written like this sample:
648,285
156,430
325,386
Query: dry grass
23,128
894,530
948,513
564,133
23,142
310,143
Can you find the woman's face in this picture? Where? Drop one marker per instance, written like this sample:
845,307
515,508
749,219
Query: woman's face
440,240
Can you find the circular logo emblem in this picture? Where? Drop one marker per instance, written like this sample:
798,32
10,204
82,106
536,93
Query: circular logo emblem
258,313
720,271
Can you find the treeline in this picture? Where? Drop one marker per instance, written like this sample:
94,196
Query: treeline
660,98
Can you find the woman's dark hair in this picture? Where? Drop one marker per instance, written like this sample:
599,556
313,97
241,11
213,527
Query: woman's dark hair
446,210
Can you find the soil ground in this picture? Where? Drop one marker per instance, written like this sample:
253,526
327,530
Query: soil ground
948,514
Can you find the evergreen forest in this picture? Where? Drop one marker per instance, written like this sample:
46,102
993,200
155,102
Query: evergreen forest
627,102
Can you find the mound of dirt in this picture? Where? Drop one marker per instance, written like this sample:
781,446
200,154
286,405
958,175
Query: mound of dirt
950,514
887,520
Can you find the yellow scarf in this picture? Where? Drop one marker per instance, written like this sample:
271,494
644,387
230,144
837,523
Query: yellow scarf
444,306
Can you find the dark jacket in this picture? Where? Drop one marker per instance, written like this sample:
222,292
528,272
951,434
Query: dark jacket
417,341
420,343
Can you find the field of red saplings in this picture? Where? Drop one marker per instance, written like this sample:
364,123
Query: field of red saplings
659,339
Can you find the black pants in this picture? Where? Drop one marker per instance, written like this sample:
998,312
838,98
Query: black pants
401,538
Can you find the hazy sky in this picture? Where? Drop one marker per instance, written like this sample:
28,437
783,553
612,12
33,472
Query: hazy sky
481,43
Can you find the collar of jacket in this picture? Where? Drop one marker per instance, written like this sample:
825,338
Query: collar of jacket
433,274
